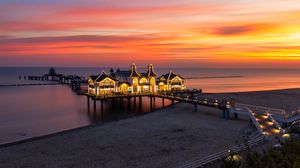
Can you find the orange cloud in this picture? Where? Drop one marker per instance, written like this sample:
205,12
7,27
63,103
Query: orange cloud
245,29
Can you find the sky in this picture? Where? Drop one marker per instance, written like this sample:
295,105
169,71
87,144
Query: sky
167,33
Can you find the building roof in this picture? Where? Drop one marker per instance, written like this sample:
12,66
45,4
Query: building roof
103,76
170,76
134,72
150,72
94,77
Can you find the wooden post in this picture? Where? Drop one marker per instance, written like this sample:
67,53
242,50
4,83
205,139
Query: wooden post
128,98
223,114
134,101
140,102
151,108
236,115
163,102
196,107
95,106
113,102
102,106
153,103
226,113
88,103
173,103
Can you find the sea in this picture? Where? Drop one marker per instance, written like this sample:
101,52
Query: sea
34,111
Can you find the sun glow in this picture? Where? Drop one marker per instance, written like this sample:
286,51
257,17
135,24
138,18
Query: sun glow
206,34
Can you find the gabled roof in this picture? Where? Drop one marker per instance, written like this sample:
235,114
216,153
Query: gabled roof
170,76
150,72
134,73
103,76
94,77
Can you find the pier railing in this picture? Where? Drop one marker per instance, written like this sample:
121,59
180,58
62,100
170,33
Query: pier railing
272,111
268,111
256,140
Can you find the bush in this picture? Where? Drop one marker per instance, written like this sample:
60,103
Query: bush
288,157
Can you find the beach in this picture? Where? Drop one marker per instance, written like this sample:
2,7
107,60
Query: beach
165,138
286,99
168,137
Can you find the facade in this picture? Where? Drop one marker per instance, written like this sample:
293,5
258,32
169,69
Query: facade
133,82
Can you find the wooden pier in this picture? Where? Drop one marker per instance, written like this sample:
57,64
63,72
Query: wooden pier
186,97
74,81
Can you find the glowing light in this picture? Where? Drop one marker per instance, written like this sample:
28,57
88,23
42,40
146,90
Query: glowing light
286,135
276,131
261,126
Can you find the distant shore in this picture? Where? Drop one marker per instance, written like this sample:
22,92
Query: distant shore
168,137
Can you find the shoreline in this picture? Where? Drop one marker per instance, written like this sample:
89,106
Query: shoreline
35,138
177,133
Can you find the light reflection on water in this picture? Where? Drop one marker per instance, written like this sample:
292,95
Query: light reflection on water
39,110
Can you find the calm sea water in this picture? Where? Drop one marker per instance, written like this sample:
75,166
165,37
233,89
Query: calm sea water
39,110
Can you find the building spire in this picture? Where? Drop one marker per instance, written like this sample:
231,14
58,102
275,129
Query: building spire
134,72
151,72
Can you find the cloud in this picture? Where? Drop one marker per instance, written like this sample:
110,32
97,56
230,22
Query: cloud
242,29
77,38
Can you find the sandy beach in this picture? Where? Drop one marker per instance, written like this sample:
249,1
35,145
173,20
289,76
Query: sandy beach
287,99
165,138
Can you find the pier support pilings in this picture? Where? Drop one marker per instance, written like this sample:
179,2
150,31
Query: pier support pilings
88,103
226,114
173,103
151,103
134,101
195,107
140,103
101,104
128,101
95,105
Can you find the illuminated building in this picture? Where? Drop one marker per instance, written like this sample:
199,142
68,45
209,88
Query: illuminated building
133,82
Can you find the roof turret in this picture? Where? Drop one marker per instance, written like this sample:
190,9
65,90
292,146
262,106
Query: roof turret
134,72
150,72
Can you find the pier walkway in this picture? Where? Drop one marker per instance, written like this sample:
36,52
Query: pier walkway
187,97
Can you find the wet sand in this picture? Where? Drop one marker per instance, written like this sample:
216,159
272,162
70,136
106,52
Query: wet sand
166,138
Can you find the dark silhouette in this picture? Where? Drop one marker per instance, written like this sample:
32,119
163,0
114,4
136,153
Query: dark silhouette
52,71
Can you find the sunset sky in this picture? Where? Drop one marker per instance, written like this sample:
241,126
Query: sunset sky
177,33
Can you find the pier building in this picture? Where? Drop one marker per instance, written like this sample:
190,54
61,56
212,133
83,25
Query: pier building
133,82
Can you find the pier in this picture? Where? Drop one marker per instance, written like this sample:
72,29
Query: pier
184,96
